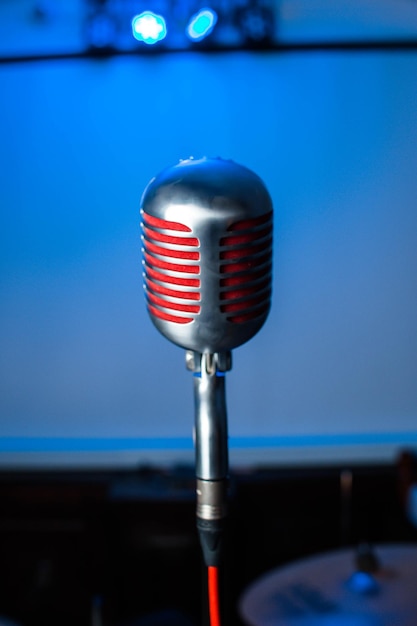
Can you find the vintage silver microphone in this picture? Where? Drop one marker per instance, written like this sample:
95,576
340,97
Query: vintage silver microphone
207,256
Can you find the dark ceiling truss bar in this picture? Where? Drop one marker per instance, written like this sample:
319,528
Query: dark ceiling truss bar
389,45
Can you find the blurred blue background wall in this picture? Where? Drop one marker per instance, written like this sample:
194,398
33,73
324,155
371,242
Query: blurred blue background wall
85,378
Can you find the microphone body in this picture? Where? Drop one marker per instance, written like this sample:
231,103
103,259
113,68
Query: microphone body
207,257
207,235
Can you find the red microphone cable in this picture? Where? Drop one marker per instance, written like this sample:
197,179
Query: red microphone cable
213,595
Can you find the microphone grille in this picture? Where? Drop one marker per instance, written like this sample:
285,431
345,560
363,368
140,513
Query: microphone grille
172,269
245,269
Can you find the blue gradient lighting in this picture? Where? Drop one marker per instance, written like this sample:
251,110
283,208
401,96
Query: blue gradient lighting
149,27
201,24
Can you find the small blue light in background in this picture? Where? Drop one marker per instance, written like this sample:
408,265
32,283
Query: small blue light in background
149,27
363,583
201,24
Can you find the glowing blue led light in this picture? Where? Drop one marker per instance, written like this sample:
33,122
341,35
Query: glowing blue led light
149,27
201,24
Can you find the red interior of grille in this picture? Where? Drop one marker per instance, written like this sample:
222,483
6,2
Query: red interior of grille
249,247
160,269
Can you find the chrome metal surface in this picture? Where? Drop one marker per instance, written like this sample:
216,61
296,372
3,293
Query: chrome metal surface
222,361
211,499
210,423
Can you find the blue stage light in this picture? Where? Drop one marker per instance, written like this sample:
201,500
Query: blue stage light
201,24
149,27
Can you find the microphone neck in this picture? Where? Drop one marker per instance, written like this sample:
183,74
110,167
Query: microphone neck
211,445
211,448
